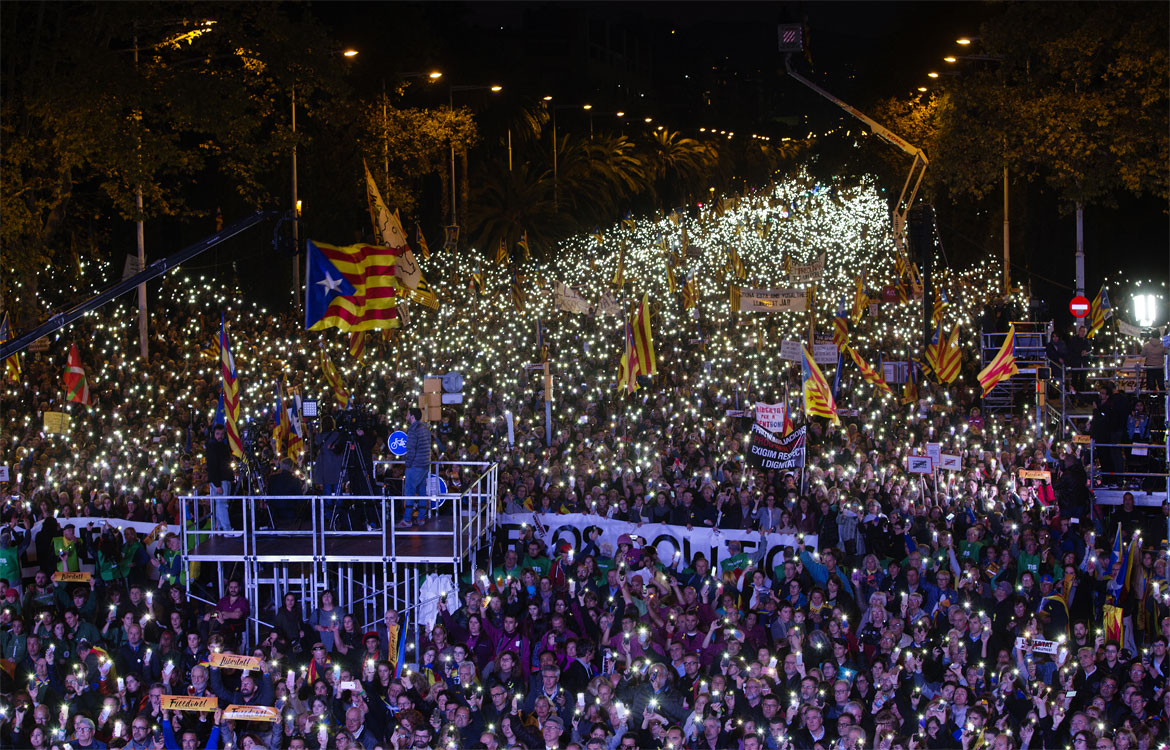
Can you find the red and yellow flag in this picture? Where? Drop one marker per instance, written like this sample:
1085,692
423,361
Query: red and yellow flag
231,393
333,377
944,357
818,395
1002,366
638,358
871,375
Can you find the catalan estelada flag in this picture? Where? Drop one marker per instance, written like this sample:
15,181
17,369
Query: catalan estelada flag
638,358
1114,625
1002,366
420,239
690,291
231,392
944,357
333,378
871,375
734,298
76,384
1099,311
352,288
502,252
12,371
818,395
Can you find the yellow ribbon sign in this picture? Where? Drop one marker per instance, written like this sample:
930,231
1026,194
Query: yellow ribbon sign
233,661
1035,474
68,576
190,703
251,713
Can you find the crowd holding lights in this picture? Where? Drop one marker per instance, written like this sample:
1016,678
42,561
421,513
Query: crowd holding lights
926,617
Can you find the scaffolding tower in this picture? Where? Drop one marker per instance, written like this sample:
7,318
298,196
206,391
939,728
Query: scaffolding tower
371,568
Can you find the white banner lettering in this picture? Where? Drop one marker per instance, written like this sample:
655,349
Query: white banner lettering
577,528
770,416
773,300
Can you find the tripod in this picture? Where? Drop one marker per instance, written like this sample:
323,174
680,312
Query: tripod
350,453
254,479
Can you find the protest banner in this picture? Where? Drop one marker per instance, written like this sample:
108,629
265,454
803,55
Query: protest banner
773,300
578,528
807,273
251,713
607,304
790,350
189,703
234,661
570,300
767,450
770,416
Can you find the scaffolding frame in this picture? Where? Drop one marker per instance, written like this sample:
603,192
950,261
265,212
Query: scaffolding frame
369,571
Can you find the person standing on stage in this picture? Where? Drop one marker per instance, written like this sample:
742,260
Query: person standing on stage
418,466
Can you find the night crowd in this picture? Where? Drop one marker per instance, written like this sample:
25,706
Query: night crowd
962,609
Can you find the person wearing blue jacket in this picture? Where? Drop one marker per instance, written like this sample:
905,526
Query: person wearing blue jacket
820,572
418,466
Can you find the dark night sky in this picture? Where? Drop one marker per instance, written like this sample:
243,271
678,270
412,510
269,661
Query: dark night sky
717,64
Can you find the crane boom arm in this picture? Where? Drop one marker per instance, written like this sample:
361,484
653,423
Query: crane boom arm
153,271
878,129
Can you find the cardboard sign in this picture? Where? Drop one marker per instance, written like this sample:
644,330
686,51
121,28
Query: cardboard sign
948,462
190,703
919,465
773,300
934,453
808,273
1082,439
57,422
1039,646
825,354
234,661
1036,474
1140,450
66,576
790,350
251,713
4,473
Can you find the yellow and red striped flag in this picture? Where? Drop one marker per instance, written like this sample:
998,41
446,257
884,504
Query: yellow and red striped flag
352,288
841,329
871,375
735,290
76,384
860,299
231,392
421,240
690,291
944,357
502,253
737,267
357,345
638,358
333,378
818,395
1114,624
1099,311
1002,366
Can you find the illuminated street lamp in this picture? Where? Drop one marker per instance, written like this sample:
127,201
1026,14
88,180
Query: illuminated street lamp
1145,309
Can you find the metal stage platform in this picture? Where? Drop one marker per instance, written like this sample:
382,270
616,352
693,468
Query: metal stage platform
303,545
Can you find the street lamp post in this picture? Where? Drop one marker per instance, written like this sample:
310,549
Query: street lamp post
495,89
554,108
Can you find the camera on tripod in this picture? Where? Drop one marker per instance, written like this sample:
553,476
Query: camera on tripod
356,417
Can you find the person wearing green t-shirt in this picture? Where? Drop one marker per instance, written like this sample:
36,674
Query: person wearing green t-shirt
971,548
65,547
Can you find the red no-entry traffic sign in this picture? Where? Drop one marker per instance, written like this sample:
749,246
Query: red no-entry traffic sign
1079,307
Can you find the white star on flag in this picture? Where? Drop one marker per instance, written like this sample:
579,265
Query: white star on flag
331,284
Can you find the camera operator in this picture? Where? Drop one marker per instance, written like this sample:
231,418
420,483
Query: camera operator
219,475
285,482
330,446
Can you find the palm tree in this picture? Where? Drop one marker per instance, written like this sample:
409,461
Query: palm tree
678,165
